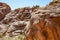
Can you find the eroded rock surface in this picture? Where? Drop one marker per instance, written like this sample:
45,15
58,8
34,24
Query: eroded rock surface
4,9
32,22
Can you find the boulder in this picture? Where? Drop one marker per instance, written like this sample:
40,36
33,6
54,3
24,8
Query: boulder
4,9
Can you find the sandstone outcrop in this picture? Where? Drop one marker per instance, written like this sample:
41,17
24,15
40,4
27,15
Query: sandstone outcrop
4,9
35,23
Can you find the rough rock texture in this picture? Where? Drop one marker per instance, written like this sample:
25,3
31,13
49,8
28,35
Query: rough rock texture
35,23
4,9
45,24
15,22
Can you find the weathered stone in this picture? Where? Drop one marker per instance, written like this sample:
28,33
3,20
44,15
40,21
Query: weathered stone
3,29
33,22
4,9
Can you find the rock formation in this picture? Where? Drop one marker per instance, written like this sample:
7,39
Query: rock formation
4,9
46,24
35,23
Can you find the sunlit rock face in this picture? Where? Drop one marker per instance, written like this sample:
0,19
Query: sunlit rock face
16,20
53,5
4,9
28,21
54,8
46,23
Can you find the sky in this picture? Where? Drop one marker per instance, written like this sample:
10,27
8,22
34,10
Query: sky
25,3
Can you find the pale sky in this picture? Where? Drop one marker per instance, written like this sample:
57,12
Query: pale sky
24,3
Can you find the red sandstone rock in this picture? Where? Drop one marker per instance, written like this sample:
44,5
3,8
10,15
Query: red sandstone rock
44,25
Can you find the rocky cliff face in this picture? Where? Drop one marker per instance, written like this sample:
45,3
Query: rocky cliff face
13,23
4,9
53,5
